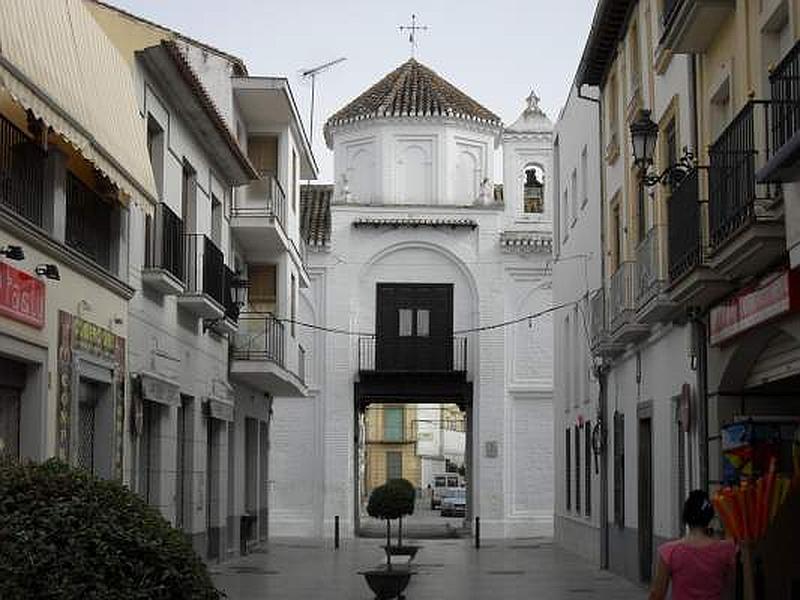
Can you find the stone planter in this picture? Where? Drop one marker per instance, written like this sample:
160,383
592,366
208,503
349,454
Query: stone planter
387,584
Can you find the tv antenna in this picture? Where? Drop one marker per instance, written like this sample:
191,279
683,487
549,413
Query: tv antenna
312,73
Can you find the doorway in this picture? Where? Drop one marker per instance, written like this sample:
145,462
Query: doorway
645,504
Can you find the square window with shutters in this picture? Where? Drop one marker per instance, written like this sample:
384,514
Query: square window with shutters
394,465
619,469
393,424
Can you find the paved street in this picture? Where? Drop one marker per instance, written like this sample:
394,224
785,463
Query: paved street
446,569
425,523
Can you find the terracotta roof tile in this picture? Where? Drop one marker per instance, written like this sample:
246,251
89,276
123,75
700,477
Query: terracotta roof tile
315,214
412,89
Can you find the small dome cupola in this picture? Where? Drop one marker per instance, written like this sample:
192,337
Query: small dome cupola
532,119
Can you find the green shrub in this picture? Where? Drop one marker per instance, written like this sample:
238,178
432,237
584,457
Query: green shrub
406,488
387,502
66,535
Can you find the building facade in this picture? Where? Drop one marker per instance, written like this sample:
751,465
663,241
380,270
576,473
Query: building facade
390,446
692,329
411,251
577,272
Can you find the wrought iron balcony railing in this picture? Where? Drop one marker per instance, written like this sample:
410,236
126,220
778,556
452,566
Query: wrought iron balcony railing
88,223
622,293
165,246
260,337
204,267
22,167
652,272
262,198
231,307
784,83
419,354
685,247
735,198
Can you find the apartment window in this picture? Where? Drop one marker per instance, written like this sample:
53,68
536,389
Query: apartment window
616,236
670,147
189,198
89,223
216,221
413,322
155,148
393,424
394,465
587,484
295,186
613,110
568,468
776,41
720,108
565,225
293,303
641,206
261,293
574,182
635,60
577,469
619,469
584,177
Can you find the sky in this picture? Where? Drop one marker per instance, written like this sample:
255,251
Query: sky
496,51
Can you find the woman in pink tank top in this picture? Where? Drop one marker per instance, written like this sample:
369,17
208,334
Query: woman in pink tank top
699,566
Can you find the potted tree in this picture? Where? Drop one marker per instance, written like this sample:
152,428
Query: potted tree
388,502
406,489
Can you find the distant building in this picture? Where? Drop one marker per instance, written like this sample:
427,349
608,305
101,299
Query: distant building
390,449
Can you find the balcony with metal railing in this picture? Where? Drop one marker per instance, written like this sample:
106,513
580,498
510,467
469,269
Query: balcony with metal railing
784,81
689,26
653,304
745,217
413,354
258,218
164,259
259,351
204,277
623,324
22,174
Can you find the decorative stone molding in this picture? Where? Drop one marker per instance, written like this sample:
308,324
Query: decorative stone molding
526,242
414,222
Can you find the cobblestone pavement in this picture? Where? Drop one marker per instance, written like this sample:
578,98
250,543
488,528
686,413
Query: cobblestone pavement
295,569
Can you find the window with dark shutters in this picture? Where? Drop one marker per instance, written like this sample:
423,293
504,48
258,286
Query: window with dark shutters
619,469
568,470
587,448
577,469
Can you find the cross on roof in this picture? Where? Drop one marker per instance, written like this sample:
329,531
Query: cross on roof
412,36
533,102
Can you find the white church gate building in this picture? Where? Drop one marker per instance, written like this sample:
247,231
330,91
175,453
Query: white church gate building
417,259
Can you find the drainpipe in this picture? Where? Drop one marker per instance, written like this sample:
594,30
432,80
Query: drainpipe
601,371
700,343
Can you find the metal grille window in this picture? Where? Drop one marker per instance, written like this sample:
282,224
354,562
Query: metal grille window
587,449
9,422
87,409
568,470
577,469
394,465
619,469
21,173
393,424
149,451
180,475
88,222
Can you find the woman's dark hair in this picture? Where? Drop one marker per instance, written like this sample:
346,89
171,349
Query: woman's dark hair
697,510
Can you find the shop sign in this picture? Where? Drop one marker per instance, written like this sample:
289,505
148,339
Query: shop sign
21,296
773,296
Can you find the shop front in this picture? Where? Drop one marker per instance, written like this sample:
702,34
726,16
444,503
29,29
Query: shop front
754,426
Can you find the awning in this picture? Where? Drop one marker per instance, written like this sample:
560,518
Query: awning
57,62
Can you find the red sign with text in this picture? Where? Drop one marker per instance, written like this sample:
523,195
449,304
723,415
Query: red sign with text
773,296
21,296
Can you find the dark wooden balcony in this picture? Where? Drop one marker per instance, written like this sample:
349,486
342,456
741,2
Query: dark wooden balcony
783,164
690,25
259,356
89,223
746,225
22,170
165,251
204,272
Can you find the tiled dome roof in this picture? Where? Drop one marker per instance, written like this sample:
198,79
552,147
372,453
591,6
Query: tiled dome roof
412,89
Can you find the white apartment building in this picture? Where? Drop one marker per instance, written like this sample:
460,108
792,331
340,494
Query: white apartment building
577,275
219,262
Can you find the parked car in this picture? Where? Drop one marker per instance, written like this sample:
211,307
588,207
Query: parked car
441,483
454,502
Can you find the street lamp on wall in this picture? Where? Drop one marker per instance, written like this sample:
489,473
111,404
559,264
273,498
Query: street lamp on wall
644,135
